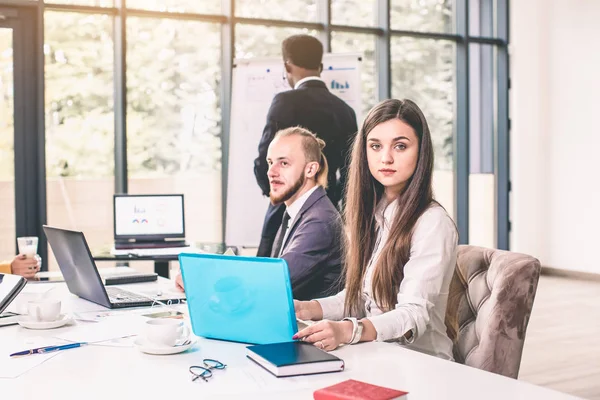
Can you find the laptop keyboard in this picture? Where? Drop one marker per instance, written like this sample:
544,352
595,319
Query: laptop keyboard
120,296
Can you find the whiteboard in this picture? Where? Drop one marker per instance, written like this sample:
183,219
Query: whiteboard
254,84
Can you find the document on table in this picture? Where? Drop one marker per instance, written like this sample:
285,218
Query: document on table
13,367
107,332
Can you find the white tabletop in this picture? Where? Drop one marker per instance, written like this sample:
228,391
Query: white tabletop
101,372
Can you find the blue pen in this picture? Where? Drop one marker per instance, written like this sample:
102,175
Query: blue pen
48,349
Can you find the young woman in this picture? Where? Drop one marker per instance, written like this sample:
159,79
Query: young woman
401,245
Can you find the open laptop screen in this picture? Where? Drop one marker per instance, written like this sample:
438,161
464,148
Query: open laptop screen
149,216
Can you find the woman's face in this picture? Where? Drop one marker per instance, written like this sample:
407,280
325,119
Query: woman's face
392,154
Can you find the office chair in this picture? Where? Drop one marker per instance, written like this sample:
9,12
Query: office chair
490,301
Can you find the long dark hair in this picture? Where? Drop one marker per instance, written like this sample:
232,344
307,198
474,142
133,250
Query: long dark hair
363,193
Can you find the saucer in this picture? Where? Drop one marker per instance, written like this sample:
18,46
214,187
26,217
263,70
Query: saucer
28,323
150,348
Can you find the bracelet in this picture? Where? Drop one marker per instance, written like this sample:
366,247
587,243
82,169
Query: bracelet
354,321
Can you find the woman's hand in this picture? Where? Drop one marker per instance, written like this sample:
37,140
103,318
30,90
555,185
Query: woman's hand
25,266
308,310
326,335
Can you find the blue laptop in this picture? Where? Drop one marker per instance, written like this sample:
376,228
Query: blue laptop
242,299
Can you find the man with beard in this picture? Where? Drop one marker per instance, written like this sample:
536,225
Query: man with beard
310,234
312,106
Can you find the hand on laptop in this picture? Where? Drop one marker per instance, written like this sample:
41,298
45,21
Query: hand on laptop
308,310
326,335
179,283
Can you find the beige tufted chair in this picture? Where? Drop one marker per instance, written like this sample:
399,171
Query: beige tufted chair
489,304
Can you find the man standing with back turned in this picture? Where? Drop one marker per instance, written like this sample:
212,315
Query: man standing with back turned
311,106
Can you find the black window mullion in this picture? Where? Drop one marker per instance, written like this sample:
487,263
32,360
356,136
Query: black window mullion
461,137
227,56
29,140
324,8
503,133
382,51
120,98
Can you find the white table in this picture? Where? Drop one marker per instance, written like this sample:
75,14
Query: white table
95,372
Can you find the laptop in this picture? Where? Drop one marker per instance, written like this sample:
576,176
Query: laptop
81,274
241,299
148,221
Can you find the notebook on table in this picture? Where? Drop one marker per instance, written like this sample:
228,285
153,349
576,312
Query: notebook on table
294,358
357,390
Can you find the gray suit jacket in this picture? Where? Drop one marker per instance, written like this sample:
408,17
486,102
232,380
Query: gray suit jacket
312,248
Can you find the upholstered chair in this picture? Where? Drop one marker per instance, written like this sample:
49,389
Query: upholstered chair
489,304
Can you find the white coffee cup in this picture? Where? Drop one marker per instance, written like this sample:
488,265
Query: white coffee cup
166,331
44,310
20,303
28,245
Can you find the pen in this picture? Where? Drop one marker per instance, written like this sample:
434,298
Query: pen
48,349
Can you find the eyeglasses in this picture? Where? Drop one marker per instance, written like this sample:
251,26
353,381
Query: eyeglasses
205,371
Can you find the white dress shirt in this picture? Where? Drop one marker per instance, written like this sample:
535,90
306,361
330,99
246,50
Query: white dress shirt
423,292
308,78
293,211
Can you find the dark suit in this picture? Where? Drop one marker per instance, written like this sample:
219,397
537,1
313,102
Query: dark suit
313,107
312,248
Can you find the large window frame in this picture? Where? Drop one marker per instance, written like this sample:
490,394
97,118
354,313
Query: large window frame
31,180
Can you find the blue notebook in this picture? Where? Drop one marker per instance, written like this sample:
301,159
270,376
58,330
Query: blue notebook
242,299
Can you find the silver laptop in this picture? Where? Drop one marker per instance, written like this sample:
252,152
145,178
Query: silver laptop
81,274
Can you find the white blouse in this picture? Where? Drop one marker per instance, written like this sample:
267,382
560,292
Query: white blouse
423,292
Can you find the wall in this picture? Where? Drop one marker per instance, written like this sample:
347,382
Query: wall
555,140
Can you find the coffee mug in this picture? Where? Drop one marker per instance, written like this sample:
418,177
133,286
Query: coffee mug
23,300
44,310
166,332
28,245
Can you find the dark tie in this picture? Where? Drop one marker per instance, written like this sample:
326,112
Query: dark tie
280,235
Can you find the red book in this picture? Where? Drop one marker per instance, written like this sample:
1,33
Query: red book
356,390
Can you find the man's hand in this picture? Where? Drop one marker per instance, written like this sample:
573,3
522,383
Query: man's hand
179,283
25,266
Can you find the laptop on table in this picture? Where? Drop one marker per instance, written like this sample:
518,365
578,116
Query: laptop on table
241,299
81,274
145,221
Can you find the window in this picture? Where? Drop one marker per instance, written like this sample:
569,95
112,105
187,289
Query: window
343,42
482,121
262,41
481,18
423,71
354,12
182,6
174,73
422,15
95,3
291,10
173,117
78,53
7,133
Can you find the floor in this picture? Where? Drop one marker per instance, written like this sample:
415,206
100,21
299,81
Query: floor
562,347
